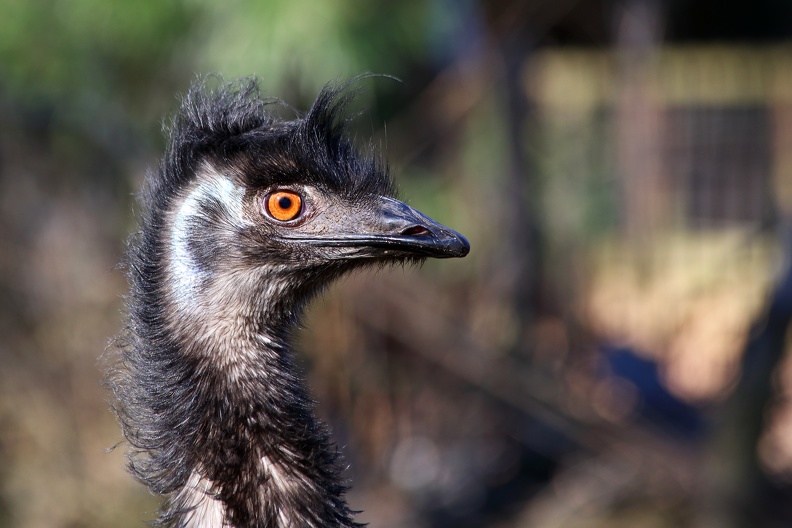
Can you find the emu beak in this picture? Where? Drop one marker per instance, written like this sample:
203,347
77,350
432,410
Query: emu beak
397,227
388,228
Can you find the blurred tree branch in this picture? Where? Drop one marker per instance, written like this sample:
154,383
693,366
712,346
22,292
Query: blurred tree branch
736,490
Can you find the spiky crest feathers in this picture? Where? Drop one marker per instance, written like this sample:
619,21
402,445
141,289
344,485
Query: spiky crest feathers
232,128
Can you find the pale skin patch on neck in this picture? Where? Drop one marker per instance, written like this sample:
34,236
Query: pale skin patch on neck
205,510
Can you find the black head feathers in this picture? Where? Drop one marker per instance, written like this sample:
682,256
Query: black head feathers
231,127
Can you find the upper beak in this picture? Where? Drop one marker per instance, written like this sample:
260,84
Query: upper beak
397,226
390,228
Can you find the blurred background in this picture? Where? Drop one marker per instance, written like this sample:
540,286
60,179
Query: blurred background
613,351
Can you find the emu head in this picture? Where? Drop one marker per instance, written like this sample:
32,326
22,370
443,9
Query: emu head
251,214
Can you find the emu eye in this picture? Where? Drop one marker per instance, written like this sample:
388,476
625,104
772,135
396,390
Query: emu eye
284,205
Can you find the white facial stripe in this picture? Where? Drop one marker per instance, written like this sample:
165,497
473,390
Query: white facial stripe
185,273
226,191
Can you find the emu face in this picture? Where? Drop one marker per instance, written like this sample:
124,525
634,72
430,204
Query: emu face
270,213
261,246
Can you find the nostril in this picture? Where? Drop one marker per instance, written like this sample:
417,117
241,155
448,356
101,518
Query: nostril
415,230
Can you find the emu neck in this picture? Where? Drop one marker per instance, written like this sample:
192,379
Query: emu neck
261,458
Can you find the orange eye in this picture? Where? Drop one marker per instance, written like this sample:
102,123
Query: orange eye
284,205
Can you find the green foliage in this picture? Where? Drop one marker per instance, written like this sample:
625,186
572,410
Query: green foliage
54,50
301,44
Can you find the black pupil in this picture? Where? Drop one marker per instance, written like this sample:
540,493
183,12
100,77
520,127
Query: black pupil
284,202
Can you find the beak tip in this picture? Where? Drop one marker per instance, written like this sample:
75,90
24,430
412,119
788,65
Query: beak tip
462,248
454,246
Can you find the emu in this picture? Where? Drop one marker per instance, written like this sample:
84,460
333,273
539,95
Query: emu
247,218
